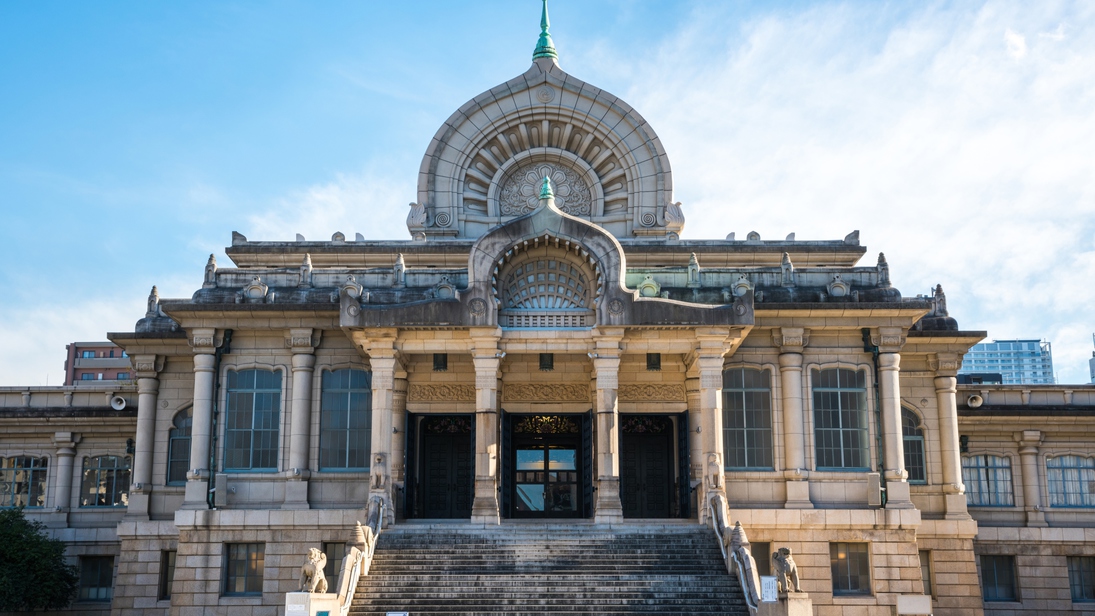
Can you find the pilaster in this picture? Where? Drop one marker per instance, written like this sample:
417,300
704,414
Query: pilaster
303,343
62,491
1029,442
147,369
945,366
606,368
488,363
385,363
203,341
707,363
791,342
889,341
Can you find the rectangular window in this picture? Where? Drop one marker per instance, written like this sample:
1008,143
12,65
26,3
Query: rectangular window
23,481
88,355
747,419
105,482
547,362
851,568
840,419
252,420
654,361
335,552
998,578
167,573
1081,578
440,362
123,376
1071,481
87,376
345,420
178,447
913,436
926,571
988,481
96,578
762,553
244,564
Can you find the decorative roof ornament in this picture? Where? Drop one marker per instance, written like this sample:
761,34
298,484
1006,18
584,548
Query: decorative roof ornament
545,186
545,48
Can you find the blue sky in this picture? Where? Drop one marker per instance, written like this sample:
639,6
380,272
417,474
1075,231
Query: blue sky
135,136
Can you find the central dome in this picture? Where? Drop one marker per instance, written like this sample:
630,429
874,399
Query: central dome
485,164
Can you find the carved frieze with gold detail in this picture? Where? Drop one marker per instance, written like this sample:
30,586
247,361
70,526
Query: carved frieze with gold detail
649,392
443,392
545,392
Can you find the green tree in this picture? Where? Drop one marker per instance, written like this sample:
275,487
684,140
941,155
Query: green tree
33,572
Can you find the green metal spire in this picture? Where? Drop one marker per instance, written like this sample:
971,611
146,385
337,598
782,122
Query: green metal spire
545,48
545,190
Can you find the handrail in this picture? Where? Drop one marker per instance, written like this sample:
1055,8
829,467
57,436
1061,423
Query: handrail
734,564
358,561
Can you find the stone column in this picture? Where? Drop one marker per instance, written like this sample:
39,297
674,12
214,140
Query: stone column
147,369
398,467
946,366
197,479
303,343
606,368
1029,441
889,342
62,491
384,360
695,439
485,356
791,342
707,364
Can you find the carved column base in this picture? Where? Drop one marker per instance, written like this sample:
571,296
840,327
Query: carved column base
955,507
196,495
798,495
296,495
790,604
137,510
607,508
484,509
897,495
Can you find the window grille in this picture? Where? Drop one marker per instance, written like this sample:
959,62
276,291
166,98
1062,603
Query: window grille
178,448
851,568
244,565
840,419
105,482
747,419
23,482
546,290
988,481
1071,481
252,420
345,420
96,578
998,578
1081,578
913,436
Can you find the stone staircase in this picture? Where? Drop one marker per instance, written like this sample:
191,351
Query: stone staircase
554,569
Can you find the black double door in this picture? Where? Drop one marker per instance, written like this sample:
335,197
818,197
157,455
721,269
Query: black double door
646,467
446,467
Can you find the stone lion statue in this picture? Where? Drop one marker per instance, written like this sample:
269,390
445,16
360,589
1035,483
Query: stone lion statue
786,571
311,574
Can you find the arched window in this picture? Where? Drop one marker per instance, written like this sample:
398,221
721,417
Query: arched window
252,420
914,446
840,419
1071,481
547,287
105,482
747,419
988,481
345,420
178,448
23,481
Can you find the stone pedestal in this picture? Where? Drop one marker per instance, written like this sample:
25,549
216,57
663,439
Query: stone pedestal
311,604
296,494
898,495
790,604
798,495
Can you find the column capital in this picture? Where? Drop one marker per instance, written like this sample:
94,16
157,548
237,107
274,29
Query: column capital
303,340
204,340
147,366
889,339
791,339
1029,441
945,364
66,442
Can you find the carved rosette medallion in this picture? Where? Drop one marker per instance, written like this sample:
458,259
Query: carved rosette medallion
651,393
546,392
441,393
477,307
520,192
616,307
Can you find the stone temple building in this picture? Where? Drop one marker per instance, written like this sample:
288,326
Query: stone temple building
546,354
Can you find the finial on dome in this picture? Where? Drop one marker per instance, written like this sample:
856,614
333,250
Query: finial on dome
545,190
545,48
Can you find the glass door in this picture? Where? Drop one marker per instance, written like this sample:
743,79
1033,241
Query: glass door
547,481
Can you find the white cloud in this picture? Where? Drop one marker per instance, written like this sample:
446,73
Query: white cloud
963,165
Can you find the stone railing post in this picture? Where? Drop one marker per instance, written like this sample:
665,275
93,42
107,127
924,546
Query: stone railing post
303,343
889,341
485,356
147,369
791,341
945,366
196,496
606,368
1029,442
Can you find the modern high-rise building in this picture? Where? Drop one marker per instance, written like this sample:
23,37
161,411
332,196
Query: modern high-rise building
1021,362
